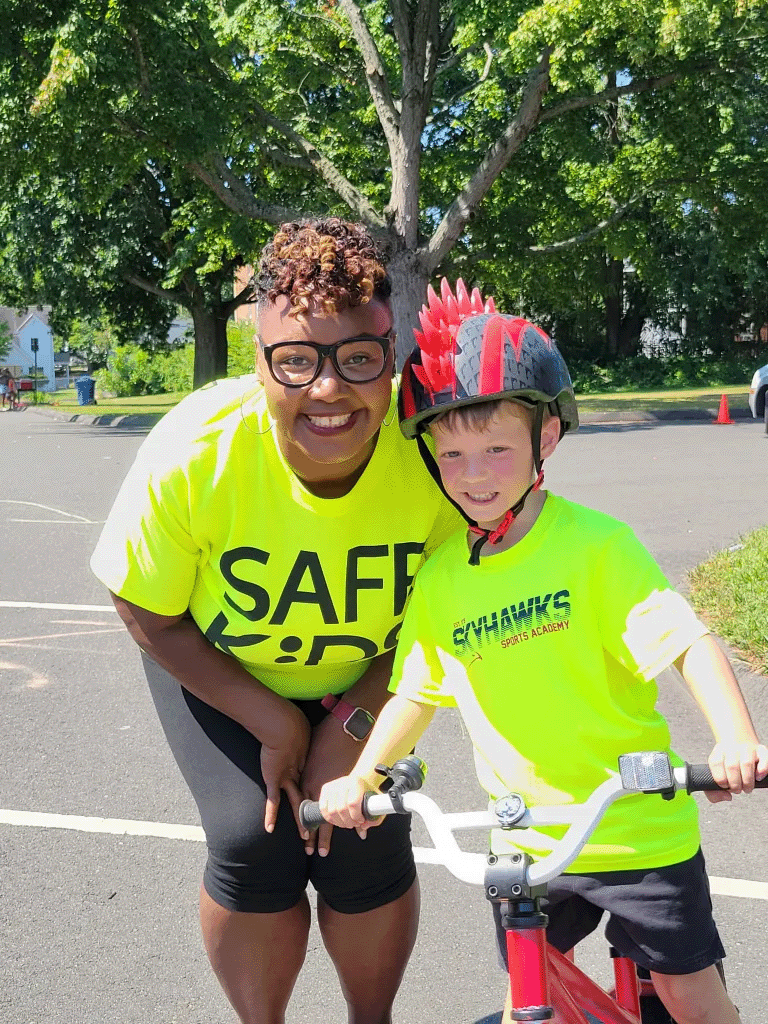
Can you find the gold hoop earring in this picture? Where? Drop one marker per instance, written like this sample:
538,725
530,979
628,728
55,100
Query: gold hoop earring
388,423
260,433
249,415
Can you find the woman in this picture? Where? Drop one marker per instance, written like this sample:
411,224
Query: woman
261,552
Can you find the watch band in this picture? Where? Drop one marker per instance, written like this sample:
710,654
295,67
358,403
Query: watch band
356,722
337,706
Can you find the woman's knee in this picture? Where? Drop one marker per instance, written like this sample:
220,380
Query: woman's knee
255,872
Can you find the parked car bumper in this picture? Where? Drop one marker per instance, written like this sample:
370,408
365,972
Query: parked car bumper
758,389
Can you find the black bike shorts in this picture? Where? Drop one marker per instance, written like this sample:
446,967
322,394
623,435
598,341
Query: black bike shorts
661,919
250,869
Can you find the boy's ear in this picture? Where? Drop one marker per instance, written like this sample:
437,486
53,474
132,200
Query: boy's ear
550,435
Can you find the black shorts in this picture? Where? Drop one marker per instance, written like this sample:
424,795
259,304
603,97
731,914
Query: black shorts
661,919
248,868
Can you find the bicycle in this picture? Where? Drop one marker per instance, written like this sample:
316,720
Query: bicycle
542,980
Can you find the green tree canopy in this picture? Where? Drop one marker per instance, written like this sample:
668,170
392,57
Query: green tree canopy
484,134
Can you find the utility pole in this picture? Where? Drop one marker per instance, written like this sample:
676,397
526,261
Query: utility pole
35,346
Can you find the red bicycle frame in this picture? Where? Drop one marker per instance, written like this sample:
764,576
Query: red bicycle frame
543,982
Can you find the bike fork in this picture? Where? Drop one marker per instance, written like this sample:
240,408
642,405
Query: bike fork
525,929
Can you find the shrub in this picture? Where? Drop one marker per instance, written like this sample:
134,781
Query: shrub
241,340
177,369
131,371
648,373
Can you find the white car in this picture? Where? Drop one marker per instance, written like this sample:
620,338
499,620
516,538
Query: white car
758,391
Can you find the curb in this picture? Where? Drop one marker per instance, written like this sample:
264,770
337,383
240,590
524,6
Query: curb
659,415
104,420
605,417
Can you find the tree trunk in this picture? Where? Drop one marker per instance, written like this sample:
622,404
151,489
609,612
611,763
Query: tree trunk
613,296
409,293
210,343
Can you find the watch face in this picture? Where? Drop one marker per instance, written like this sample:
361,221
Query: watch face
359,724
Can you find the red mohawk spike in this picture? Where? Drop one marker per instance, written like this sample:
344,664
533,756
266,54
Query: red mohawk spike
433,303
462,296
449,302
440,320
477,301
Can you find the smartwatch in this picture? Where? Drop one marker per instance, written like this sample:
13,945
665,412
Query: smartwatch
356,722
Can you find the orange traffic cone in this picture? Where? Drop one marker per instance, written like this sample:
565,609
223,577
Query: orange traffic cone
723,416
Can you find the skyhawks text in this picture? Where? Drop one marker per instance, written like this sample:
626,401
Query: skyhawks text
515,623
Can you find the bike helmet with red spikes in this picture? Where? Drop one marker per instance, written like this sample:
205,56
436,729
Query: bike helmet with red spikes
466,352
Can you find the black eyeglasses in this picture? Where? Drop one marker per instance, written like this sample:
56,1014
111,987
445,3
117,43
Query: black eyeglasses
360,360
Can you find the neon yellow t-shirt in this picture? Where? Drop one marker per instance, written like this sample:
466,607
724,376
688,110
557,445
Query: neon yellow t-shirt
303,591
549,651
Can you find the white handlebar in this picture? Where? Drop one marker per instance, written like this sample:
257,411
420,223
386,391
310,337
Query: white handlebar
470,867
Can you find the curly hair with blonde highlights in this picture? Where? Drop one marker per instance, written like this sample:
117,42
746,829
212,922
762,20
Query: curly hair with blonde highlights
328,262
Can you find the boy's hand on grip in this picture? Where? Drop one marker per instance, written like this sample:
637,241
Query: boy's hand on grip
735,766
341,804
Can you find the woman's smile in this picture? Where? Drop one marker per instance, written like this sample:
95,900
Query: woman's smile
328,424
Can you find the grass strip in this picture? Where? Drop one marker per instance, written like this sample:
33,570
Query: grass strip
670,398
144,405
730,592
673,398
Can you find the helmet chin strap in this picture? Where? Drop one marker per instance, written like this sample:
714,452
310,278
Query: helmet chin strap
494,536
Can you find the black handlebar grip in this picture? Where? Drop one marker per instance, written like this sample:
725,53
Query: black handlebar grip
366,815
310,816
700,780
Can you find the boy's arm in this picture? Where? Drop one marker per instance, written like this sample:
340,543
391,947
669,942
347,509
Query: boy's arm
397,729
738,757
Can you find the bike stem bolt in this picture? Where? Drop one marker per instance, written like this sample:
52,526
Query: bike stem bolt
493,891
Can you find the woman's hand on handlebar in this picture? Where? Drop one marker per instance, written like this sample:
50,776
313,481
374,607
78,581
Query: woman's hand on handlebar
341,803
283,754
735,766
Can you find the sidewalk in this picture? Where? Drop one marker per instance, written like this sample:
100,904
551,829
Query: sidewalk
586,417
681,413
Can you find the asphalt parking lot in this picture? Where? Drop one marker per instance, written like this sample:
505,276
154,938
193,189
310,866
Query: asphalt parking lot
101,925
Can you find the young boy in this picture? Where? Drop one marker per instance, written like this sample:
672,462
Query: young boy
545,624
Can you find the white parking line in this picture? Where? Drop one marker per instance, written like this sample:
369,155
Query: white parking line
23,641
740,887
47,508
59,607
104,826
